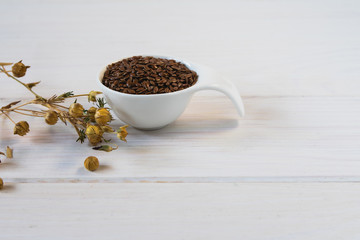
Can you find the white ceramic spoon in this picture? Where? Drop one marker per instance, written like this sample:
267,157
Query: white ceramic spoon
154,111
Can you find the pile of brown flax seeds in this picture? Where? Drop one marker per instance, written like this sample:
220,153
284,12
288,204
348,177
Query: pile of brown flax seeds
148,75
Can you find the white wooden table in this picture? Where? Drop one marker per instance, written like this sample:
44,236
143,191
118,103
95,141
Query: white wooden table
289,170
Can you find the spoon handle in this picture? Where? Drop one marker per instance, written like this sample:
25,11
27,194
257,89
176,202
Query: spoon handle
211,80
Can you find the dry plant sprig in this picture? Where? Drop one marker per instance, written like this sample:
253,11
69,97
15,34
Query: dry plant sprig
8,153
89,123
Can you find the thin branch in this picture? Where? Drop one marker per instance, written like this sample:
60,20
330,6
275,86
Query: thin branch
58,105
14,108
28,110
76,128
6,72
8,117
27,114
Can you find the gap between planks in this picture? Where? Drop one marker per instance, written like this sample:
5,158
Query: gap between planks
329,179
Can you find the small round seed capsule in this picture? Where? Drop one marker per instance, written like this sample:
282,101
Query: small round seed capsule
102,116
21,128
91,163
91,113
94,134
92,96
19,69
76,110
51,117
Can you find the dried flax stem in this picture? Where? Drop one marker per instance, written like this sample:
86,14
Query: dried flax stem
8,117
89,123
31,115
36,95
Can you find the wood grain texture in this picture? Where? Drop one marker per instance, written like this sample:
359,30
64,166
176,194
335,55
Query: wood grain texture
268,48
279,137
288,171
180,211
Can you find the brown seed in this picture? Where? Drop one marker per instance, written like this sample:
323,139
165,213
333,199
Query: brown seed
148,75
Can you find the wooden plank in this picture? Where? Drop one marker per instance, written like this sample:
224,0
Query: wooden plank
180,211
272,48
284,138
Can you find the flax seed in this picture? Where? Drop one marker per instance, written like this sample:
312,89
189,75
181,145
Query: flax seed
148,75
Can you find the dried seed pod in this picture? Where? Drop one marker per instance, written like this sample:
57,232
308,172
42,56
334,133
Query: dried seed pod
10,105
106,148
92,96
122,133
76,110
21,128
19,69
33,84
51,117
102,116
107,129
91,113
94,134
91,163
1,183
9,152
